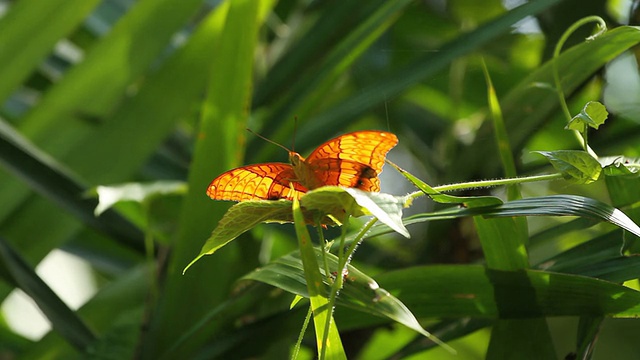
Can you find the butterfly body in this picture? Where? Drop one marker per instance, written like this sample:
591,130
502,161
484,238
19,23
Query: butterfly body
350,160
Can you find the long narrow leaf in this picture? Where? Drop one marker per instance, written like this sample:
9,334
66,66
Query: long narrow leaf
63,319
329,343
423,67
35,24
54,182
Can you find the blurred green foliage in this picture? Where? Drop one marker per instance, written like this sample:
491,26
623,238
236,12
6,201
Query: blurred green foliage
121,91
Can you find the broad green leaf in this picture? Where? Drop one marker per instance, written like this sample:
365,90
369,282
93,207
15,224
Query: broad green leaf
592,115
575,165
594,251
241,218
336,201
471,290
386,208
331,200
360,292
503,242
327,200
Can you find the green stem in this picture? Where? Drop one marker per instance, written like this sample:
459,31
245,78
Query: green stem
491,183
354,244
556,76
337,284
323,246
305,325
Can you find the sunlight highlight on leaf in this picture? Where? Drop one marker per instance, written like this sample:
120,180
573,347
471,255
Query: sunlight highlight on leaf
138,192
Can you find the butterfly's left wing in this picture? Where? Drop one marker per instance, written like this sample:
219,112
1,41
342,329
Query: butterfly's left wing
268,181
353,160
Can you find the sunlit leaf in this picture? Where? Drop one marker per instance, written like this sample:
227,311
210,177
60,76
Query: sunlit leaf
574,165
137,192
386,208
328,200
592,115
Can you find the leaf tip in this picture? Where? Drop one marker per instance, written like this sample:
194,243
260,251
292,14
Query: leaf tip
192,262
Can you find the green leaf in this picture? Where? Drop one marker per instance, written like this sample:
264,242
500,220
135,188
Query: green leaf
574,165
110,195
588,329
115,147
503,242
592,115
501,135
620,166
331,200
335,201
553,205
594,251
235,26
57,183
386,208
121,302
240,218
468,201
360,292
472,290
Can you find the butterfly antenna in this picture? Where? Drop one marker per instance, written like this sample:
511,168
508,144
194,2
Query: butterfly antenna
295,129
386,110
268,140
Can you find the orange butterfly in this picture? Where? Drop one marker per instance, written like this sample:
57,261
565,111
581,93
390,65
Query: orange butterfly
351,160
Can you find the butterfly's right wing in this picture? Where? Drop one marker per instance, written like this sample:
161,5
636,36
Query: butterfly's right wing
268,181
352,160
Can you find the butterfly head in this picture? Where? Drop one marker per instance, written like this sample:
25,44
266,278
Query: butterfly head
295,159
